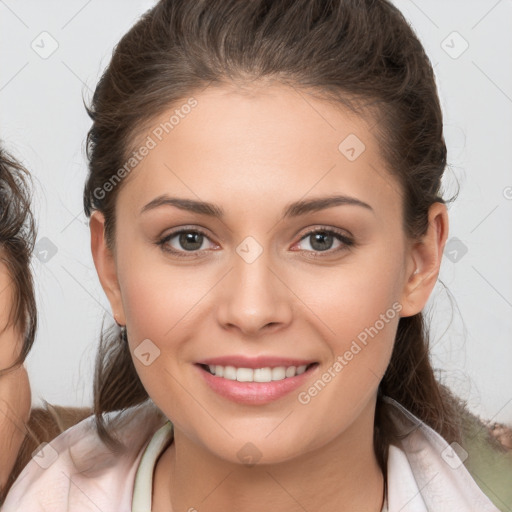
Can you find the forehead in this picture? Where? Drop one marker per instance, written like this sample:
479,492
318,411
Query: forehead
246,144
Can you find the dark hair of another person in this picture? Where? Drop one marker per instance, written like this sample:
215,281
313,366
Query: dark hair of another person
17,238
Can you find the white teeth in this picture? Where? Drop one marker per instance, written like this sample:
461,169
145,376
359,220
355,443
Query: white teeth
262,375
290,371
278,373
229,372
257,374
244,375
301,369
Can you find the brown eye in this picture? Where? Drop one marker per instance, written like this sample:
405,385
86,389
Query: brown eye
190,241
323,240
184,241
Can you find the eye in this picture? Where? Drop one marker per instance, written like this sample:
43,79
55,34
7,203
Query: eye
322,240
184,241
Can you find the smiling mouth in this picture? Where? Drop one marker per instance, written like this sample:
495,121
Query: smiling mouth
266,374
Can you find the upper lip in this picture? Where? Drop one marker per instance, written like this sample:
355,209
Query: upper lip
240,361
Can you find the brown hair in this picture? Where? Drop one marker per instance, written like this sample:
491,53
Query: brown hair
360,54
17,238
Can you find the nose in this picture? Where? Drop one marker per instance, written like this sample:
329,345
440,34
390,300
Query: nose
254,298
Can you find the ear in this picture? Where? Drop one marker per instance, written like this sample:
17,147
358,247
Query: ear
105,263
424,261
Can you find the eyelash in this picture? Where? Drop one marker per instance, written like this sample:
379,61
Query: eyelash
346,241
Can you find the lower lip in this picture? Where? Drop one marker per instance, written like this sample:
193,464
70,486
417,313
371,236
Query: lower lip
257,393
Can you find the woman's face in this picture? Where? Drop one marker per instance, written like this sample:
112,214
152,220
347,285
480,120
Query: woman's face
246,283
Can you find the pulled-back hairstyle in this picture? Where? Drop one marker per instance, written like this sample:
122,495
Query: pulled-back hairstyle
359,54
17,238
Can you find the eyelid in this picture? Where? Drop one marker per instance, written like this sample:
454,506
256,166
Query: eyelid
326,229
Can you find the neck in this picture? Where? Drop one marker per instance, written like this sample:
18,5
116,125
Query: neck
342,475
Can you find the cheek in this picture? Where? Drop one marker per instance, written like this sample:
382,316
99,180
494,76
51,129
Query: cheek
159,306
364,314
358,311
162,304
361,315
359,300
158,298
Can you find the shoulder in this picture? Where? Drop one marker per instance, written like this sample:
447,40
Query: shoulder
78,469
423,466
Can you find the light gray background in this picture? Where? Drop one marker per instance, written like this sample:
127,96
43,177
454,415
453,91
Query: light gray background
43,122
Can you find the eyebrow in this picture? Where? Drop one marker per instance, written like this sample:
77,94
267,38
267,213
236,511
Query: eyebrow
294,209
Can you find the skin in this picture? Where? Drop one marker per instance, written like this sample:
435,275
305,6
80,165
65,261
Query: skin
15,396
252,152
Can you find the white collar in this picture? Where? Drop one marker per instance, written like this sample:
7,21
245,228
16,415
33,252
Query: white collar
143,487
425,473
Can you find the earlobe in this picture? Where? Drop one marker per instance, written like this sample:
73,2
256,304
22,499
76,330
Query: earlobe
105,264
425,261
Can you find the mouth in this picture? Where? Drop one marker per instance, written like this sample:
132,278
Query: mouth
256,386
264,374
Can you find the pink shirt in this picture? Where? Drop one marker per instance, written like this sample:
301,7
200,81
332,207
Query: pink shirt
77,472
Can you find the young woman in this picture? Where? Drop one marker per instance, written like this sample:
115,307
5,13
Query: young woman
267,223
18,318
